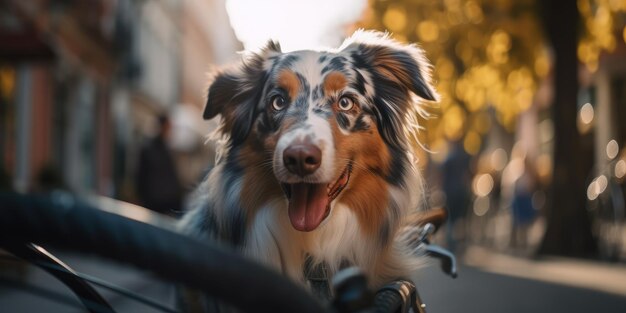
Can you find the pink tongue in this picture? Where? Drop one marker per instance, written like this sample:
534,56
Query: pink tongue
307,206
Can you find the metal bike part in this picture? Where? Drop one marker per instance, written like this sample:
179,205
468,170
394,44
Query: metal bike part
447,258
34,254
410,300
427,230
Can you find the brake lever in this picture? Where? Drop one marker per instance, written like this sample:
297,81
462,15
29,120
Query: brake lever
447,258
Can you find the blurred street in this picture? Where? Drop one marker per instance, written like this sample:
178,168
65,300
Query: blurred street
491,282
487,282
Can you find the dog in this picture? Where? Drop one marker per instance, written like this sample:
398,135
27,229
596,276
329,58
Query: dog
317,166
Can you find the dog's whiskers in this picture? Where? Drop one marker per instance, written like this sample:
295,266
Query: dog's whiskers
360,166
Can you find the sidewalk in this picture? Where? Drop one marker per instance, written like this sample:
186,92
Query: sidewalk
605,277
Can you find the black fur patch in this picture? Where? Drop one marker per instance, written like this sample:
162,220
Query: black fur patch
360,124
302,100
359,83
337,63
288,61
220,95
343,121
390,119
233,228
265,125
397,168
318,93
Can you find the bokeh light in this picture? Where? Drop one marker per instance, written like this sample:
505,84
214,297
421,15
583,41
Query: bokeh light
620,169
612,148
481,206
482,185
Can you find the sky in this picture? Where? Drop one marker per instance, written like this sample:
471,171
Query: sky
296,24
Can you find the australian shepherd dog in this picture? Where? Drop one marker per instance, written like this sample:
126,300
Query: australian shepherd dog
317,164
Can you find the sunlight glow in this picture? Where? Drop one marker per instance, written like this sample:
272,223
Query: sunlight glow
296,24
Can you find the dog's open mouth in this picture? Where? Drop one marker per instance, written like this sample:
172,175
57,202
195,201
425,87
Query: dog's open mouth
309,204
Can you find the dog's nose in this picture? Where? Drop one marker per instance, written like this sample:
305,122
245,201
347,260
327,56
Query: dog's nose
302,159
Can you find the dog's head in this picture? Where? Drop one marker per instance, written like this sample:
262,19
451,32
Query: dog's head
329,124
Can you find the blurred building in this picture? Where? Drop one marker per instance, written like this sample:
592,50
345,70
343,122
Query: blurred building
81,83
607,94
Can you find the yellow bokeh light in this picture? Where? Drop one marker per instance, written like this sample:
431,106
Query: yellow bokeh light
453,122
472,143
427,31
624,33
445,68
473,12
498,47
395,19
542,65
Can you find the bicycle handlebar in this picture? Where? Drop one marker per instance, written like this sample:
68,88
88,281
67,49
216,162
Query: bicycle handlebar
64,221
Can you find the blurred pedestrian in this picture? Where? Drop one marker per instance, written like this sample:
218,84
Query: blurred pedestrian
456,182
522,207
157,182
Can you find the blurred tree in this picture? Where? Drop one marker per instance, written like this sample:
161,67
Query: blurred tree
568,225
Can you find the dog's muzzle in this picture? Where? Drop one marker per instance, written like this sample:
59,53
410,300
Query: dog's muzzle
302,159
309,202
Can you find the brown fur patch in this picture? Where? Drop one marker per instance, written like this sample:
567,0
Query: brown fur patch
392,68
366,193
259,183
334,82
289,81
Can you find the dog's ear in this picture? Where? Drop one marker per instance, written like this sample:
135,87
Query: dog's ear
389,60
234,92
398,72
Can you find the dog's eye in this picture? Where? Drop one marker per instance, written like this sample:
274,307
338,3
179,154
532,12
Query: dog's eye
278,103
346,104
